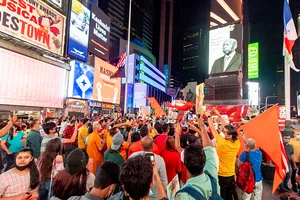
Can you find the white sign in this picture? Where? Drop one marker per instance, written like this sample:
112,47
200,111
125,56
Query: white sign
253,94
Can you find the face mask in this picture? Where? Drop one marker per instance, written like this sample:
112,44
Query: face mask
22,168
222,135
298,137
286,140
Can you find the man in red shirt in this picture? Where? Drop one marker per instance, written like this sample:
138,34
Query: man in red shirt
160,140
68,132
137,146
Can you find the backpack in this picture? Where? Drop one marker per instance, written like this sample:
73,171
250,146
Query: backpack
197,195
246,177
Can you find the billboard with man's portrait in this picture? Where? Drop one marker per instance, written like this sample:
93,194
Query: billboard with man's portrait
225,49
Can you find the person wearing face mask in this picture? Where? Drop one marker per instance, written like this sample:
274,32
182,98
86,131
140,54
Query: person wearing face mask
22,181
105,182
295,142
227,149
289,150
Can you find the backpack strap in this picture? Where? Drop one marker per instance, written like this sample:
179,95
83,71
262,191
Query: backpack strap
247,156
192,192
213,184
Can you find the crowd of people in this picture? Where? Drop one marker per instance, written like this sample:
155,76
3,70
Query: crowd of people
126,158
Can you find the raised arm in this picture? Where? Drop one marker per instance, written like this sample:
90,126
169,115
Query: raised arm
205,138
74,135
211,124
177,138
6,129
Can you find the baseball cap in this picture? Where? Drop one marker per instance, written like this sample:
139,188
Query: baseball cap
118,140
76,161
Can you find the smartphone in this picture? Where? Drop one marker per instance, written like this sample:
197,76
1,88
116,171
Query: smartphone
135,129
151,156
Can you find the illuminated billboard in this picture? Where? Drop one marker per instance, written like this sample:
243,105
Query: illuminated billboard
34,22
253,61
225,49
79,31
99,33
106,89
253,93
140,94
225,11
81,80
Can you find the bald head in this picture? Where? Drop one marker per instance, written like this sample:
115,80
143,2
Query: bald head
229,46
251,144
147,143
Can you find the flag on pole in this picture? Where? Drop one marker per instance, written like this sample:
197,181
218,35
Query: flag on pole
265,131
122,60
290,35
120,66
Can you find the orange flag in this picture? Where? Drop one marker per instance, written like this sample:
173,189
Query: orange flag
155,105
264,130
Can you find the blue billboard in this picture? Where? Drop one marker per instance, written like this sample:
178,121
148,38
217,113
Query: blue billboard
81,80
79,31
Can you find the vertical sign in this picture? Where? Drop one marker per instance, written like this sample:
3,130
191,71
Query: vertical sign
79,31
167,73
253,61
99,33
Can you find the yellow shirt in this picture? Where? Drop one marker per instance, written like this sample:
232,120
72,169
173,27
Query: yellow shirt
227,152
83,132
152,133
108,141
296,146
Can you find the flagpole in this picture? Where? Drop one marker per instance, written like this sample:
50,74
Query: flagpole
127,59
287,86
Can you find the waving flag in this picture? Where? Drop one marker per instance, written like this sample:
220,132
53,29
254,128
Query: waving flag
290,35
264,130
122,61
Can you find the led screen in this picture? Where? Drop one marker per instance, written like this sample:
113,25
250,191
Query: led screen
225,49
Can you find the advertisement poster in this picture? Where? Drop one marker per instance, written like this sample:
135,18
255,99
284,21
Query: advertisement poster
34,22
79,31
81,80
99,33
253,62
106,89
225,49
167,73
199,98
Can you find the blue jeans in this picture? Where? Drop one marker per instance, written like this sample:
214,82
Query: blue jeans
44,190
10,160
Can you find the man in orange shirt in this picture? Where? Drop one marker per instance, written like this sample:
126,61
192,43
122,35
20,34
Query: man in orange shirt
137,146
95,146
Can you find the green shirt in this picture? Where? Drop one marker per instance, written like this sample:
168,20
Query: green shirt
202,182
113,156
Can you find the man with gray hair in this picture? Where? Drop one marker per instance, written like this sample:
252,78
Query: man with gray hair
255,157
147,144
231,61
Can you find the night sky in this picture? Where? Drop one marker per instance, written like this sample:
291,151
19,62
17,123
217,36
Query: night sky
266,27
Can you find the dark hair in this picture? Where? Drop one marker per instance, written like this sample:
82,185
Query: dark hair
48,126
66,185
157,126
136,176
194,159
85,120
165,128
33,122
232,131
45,162
170,143
171,130
135,137
113,131
107,175
2,125
34,172
144,131
72,121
